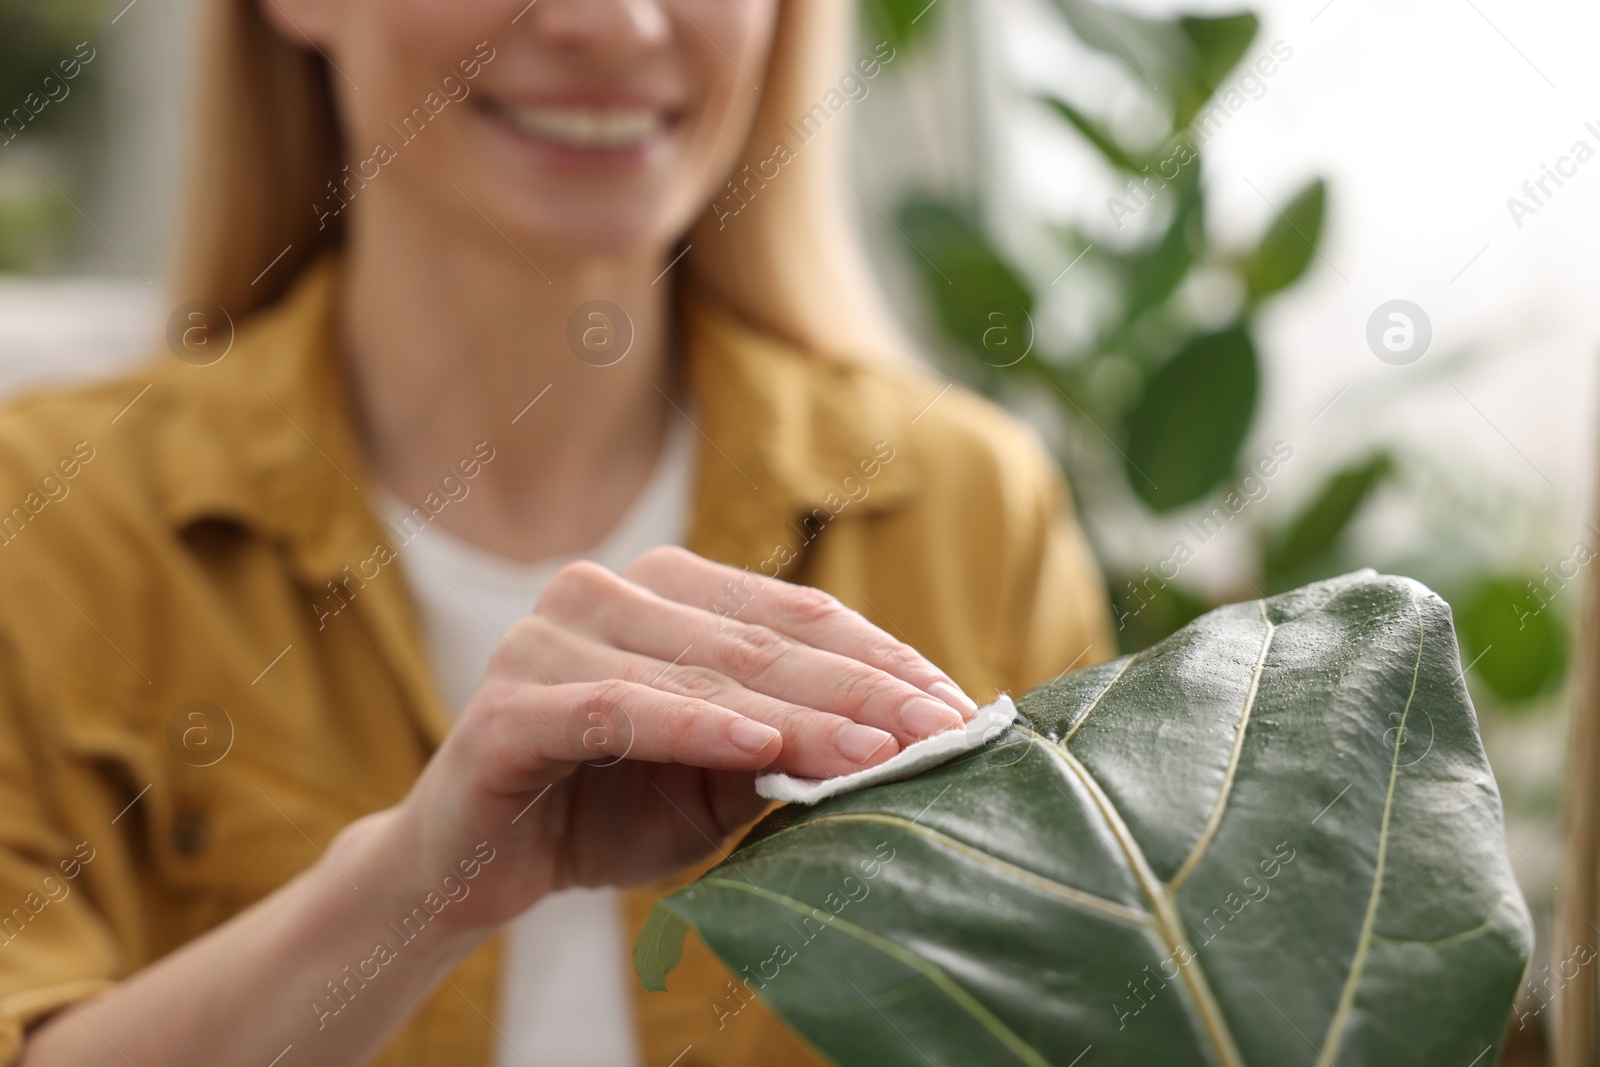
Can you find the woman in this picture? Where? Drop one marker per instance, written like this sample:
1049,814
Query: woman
283,748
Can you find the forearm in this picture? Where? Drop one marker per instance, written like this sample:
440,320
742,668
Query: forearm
248,990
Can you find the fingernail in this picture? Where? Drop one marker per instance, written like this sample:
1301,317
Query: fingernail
751,736
860,743
922,717
955,698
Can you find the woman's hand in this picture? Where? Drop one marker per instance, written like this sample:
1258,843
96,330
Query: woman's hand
616,734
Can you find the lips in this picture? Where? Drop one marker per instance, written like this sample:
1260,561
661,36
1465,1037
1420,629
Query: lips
589,127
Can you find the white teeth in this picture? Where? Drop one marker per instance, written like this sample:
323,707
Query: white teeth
583,127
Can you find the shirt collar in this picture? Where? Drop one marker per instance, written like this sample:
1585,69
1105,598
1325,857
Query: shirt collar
266,437
791,440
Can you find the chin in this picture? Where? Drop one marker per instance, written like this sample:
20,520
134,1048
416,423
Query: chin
586,230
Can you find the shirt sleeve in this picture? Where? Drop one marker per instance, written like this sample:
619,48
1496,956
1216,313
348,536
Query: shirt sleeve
56,948
1057,598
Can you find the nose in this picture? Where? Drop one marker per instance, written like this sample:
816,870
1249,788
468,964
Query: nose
598,27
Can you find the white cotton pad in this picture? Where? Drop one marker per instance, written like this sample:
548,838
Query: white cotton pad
911,760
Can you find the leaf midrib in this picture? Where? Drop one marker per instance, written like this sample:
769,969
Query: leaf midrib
1162,896
1168,924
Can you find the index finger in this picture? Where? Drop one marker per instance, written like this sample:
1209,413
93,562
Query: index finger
801,612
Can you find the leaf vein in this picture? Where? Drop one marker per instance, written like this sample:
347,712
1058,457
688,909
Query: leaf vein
935,974
1214,820
1168,924
1335,1035
1081,897
1444,942
1127,664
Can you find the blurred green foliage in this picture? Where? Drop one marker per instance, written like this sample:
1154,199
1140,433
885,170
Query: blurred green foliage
1292,554
1287,247
900,22
1187,390
33,222
1186,58
35,37
1184,432
1515,642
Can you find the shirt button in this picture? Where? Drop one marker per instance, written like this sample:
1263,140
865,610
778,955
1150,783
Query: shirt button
189,833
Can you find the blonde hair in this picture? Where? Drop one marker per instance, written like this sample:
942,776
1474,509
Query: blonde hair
265,141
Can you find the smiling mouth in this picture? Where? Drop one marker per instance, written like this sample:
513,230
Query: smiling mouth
591,128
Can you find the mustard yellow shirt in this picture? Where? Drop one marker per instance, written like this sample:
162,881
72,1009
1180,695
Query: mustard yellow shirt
169,537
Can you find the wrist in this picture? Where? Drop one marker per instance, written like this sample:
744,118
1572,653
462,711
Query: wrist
456,886
379,854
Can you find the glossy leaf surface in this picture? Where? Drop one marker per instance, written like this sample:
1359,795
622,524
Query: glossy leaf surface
1271,839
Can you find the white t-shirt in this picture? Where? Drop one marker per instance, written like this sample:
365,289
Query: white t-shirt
565,988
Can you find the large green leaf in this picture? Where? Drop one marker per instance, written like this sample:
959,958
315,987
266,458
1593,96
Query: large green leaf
1184,431
1272,839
